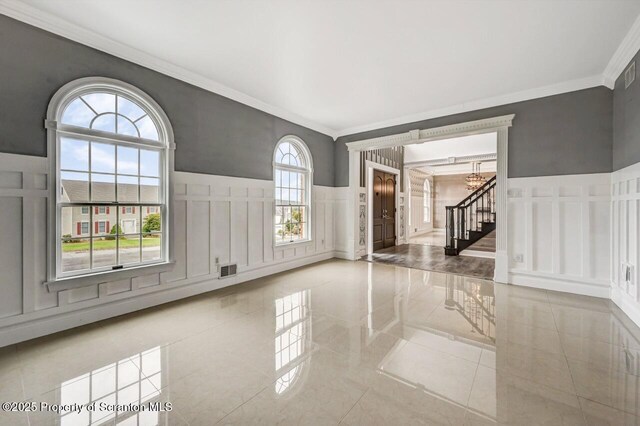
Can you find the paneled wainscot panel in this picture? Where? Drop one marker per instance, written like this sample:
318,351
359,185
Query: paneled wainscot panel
216,220
558,228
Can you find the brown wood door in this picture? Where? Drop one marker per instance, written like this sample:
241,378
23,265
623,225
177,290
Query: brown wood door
384,210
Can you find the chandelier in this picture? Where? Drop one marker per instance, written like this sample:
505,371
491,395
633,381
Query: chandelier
474,180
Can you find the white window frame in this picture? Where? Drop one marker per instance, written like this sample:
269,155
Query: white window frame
308,172
82,223
57,280
426,201
83,209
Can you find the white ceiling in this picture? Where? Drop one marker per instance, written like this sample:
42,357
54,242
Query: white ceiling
454,147
458,169
346,66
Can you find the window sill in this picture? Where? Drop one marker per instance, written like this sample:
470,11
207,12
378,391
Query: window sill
107,276
293,244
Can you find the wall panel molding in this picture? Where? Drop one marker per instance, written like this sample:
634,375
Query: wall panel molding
559,229
217,220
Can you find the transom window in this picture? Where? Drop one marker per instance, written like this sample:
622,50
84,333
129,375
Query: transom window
112,166
292,170
426,202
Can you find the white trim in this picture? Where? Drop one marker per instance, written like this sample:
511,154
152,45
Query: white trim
165,146
370,166
525,95
579,286
308,173
51,23
463,159
417,136
500,125
46,21
623,55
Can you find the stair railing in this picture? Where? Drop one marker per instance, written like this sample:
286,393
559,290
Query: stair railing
469,214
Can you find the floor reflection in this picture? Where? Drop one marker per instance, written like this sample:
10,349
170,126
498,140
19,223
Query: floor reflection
344,343
116,384
292,339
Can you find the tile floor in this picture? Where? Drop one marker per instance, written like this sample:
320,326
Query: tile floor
354,343
432,258
433,238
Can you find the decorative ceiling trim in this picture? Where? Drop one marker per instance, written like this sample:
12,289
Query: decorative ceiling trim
540,92
411,137
46,21
454,160
623,55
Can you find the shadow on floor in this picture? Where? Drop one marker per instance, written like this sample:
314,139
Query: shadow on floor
430,258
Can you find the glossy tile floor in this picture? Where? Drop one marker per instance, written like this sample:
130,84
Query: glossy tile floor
355,343
433,238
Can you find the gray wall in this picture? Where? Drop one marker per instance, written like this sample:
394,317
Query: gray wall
563,134
214,134
626,121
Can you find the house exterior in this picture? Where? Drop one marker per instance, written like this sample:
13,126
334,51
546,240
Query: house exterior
77,220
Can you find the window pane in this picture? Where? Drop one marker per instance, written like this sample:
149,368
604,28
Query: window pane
105,122
151,220
129,109
104,252
74,154
147,128
103,158
129,248
126,127
77,113
103,188
75,187
127,160
101,102
149,190
151,247
74,254
149,163
130,219
128,189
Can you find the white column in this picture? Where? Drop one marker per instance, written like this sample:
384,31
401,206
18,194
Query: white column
501,274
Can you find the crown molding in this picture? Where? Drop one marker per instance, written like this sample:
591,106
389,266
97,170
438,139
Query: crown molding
623,55
525,95
48,22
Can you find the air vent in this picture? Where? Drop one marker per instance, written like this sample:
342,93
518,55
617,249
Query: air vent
228,270
630,75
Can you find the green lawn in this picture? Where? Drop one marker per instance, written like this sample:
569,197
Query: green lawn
110,244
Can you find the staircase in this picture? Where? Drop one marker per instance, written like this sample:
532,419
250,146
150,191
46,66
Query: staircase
471,219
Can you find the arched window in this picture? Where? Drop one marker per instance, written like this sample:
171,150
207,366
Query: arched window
426,202
110,148
292,174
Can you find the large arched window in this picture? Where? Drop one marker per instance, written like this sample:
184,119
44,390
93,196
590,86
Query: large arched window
426,201
109,144
292,174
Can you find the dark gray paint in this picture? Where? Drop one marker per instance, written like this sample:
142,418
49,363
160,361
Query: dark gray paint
214,135
563,134
626,121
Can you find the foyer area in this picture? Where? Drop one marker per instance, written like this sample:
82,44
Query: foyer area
351,343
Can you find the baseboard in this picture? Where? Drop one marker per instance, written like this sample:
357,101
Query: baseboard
629,308
559,284
341,254
23,331
477,253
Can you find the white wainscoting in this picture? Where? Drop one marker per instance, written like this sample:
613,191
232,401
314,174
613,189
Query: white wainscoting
216,218
625,226
559,231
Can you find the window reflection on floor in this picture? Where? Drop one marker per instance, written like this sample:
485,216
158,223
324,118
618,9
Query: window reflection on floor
119,383
292,339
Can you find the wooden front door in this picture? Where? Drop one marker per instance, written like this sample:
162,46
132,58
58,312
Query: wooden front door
384,210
